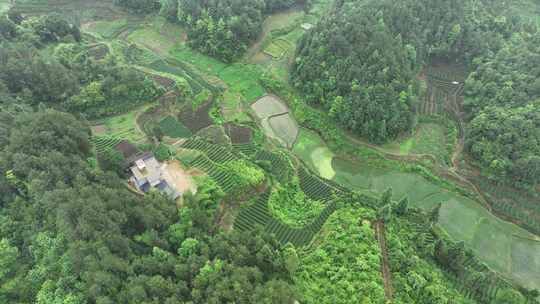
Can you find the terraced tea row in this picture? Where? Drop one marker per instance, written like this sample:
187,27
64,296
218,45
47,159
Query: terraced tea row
224,179
315,188
279,163
104,143
259,215
218,154
248,150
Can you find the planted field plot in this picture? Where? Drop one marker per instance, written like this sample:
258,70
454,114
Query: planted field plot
165,67
248,149
4,5
258,214
276,120
108,29
124,126
196,120
238,134
76,11
316,188
225,180
241,79
234,108
133,54
432,138
215,134
285,128
98,52
173,128
165,82
104,143
216,153
444,87
277,48
154,36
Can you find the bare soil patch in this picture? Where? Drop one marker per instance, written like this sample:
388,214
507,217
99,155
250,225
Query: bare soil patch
178,177
198,119
98,130
238,134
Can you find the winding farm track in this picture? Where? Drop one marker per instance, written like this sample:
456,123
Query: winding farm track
385,265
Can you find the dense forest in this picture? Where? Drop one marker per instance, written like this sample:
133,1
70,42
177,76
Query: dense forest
366,75
65,81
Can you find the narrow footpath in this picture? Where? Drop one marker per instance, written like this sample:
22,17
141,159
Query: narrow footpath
385,265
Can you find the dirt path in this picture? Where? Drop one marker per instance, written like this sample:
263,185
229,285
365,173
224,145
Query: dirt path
385,265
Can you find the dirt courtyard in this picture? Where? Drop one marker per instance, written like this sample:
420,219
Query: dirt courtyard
178,177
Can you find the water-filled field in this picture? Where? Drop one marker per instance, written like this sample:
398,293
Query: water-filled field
505,247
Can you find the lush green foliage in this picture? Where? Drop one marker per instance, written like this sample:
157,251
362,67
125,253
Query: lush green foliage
247,174
173,128
139,6
502,96
223,29
368,89
77,235
69,78
290,204
344,267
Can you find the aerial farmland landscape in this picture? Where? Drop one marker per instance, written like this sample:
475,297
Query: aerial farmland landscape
270,151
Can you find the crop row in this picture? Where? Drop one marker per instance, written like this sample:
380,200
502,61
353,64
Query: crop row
315,187
247,149
279,163
254,215
103,143
299,236
216,153
224,179
259,215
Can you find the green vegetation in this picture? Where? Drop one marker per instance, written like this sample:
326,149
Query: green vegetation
124,126
289,204
277,48
430,136
314,152
288,225
344,267
173,128
109,29
241,79
224,30
104,143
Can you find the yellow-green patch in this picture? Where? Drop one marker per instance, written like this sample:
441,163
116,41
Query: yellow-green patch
312,150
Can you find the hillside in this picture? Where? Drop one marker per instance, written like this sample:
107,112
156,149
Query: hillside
232,152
